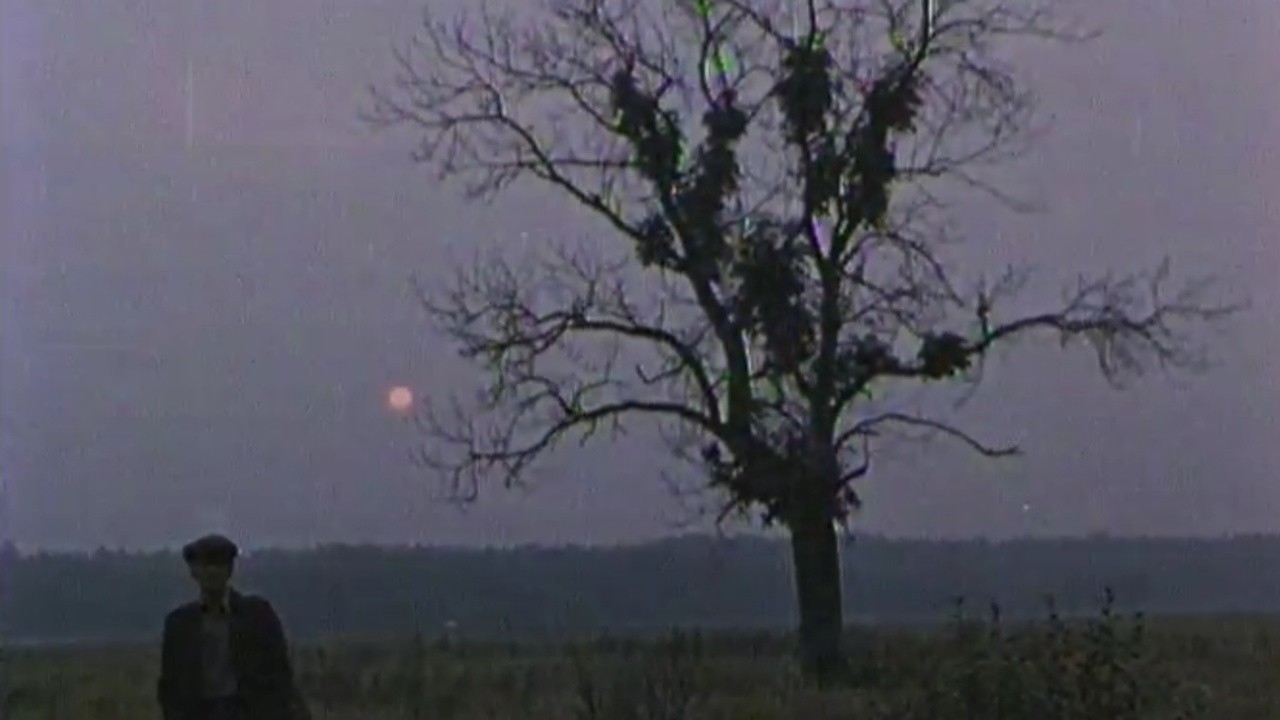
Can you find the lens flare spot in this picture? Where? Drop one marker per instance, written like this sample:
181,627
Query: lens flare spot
400,399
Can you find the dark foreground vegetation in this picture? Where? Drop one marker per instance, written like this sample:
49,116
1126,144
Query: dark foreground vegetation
1108,666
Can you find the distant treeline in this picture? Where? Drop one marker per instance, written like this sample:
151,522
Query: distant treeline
532,593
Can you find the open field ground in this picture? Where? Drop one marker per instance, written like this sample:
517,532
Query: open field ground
1099,668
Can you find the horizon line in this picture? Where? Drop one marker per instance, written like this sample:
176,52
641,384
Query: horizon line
29,549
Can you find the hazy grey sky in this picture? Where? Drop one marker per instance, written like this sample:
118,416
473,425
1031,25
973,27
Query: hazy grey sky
202,337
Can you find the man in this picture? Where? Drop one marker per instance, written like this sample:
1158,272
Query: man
224,656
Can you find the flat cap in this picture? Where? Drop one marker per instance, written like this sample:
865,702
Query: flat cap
210,547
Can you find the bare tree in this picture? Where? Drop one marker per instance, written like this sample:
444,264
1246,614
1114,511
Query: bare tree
788,241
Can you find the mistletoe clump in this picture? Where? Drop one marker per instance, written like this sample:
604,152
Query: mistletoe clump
774,472
806,90
655,244
894,100
943,355
693,202
702,201
770,300
806,94
653,131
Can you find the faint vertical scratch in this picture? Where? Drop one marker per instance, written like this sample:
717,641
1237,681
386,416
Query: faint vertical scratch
191,104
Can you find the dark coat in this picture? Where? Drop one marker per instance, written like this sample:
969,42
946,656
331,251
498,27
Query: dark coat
259,658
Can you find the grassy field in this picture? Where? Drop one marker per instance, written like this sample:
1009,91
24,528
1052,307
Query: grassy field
1095,669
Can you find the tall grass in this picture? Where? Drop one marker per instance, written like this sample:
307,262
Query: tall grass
1108,667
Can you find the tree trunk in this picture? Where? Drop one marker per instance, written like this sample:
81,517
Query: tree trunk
815,556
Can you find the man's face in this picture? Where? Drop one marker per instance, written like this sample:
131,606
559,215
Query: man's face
211,577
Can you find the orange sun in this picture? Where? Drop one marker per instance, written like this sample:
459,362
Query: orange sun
400,398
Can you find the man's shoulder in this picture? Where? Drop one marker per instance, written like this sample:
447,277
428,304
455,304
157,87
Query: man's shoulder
254,603
251,599
185,609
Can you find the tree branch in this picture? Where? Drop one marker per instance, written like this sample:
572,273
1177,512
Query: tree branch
866,429
1106,313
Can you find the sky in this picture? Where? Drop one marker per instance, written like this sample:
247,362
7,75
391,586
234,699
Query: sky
199,321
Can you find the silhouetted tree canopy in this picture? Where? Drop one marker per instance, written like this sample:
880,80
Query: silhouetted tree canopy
784,204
